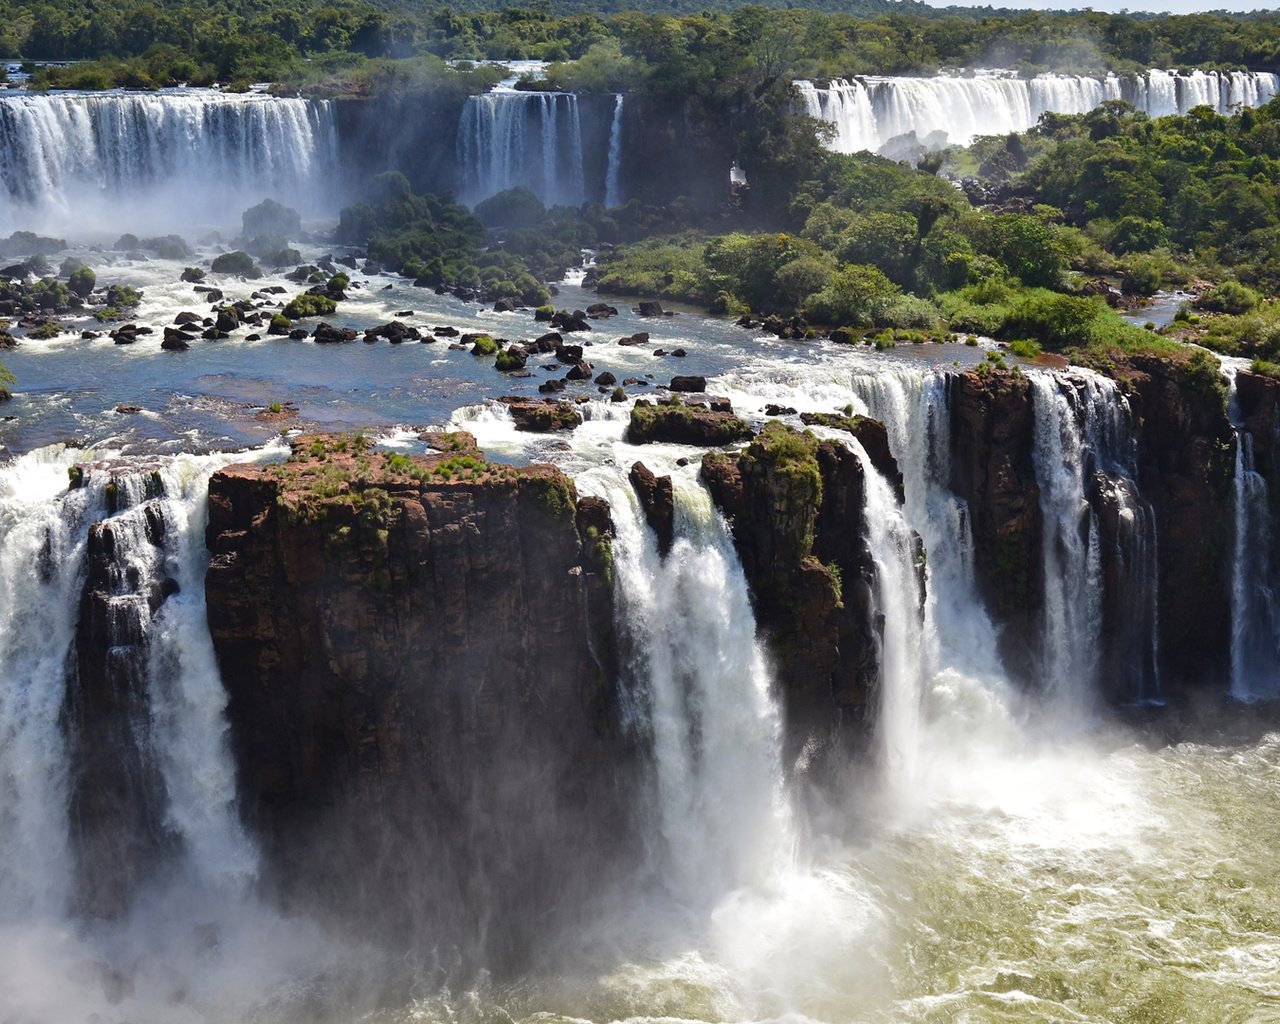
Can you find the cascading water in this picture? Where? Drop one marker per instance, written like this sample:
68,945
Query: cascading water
700,688
509,138
904,652
1084,467
914,406
613,173
145,607
950,110
178,158
43,533
1255,602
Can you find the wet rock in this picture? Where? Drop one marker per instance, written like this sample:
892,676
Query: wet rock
326,334
542,417
606,378
678,423
688,384
657,498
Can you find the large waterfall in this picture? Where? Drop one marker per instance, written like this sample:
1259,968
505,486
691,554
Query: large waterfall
84,163
945,110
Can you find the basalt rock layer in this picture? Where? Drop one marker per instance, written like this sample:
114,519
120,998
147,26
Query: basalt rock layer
416,657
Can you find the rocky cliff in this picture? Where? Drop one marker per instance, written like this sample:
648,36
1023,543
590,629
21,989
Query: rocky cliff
796,504
420,687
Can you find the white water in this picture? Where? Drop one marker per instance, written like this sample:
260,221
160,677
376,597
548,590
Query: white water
701,692
1255,605
508,138
904,656
952,110
100,164
38,599
612,193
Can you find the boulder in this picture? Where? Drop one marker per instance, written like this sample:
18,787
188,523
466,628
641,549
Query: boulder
688,384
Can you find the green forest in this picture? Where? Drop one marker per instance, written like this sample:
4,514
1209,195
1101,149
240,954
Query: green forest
151,43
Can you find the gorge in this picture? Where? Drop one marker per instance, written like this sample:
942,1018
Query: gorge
349,677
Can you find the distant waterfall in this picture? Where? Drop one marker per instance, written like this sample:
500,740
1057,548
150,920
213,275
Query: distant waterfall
950,110
701,691
508,138
73,163
612,192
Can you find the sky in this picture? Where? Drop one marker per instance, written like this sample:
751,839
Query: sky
1114,6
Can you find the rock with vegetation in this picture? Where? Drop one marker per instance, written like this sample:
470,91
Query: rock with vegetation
797,508
542,417
345,593
676,422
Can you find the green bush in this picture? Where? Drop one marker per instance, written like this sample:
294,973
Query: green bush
309,305
1229,297
82,281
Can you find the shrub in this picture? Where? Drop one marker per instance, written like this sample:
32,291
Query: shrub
82,281
1229,297
309,305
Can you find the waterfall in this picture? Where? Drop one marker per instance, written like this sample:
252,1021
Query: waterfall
507,138
43,534
903,656
869,112
1084,468
127,547
701,694
1255,604
914,406
153,162
612,193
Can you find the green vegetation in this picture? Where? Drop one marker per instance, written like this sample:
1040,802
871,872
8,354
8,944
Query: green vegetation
82,281
484,346
238,263
309,305
660,46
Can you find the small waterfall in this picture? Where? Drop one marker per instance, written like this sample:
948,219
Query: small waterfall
180,158
914,406
1255,604
1084,467
701,695
508,138
951,110
904,658
612,193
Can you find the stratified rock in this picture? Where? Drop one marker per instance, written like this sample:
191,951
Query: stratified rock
415,653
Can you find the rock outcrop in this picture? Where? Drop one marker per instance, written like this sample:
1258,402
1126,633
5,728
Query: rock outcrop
417,657
993,472
796,505
1186,463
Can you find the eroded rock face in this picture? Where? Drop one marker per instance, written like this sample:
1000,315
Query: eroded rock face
796,505
416,654
1186,463
992,470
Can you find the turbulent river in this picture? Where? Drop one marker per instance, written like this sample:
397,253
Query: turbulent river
1000,859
